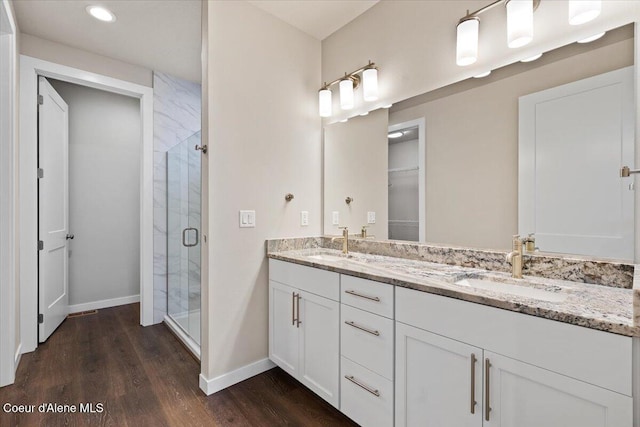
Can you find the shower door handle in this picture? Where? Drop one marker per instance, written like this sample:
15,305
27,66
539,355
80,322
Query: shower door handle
184,237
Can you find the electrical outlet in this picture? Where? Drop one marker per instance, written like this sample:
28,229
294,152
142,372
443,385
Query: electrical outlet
335,218
371,217
304,218
247,219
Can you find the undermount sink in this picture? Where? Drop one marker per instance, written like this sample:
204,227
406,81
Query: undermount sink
509,288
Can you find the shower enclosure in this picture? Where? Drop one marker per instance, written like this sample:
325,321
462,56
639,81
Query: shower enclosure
183,241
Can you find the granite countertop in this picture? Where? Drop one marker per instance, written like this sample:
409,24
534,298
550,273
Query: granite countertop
594,306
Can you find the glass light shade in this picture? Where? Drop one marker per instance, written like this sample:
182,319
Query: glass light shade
583,11
467,44
324,103
346,94
519,22
370,84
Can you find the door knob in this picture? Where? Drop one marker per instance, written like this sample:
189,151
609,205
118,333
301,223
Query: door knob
70,236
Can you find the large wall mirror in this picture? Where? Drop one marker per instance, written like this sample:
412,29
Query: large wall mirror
533,148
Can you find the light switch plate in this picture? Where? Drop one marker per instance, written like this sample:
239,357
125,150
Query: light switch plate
335,218
371,217
304,218
247,219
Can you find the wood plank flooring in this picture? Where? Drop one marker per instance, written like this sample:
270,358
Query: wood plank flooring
144,377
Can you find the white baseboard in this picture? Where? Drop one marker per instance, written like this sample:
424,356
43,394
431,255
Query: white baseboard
226,380
105,303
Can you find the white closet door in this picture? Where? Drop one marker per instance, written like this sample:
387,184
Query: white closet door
53,203
573,141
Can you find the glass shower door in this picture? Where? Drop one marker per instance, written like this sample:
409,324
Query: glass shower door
183,235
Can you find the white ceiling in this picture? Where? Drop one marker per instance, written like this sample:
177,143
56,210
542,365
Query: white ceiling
318,18
160,35
164,35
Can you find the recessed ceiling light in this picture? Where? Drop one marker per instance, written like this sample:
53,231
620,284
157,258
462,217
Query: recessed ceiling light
531,58
394,135
592,38
481,75
101,13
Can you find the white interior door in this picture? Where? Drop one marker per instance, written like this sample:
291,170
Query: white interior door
573,141
53,206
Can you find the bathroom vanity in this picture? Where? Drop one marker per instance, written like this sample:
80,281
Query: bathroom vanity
397,340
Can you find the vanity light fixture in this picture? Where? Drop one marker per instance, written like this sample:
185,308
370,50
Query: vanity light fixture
366,113
324,102
346,93
519,28
367,75
592,38
531,58
394,135
519,22
387,106
481,75
101,13
467,44
344,121
583,11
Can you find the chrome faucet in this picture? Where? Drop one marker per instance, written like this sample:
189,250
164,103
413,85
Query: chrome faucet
515,257
345,239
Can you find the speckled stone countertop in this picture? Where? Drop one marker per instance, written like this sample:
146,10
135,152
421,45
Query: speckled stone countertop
594,306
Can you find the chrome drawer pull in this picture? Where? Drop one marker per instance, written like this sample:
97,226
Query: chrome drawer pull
359,384
355,294
487,389
473,383
362,328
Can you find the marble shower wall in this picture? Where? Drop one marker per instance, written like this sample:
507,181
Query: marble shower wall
176,116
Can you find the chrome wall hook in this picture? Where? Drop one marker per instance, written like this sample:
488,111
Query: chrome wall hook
202,148
288,197
348,200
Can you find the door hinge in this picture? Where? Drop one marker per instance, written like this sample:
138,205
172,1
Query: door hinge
40,318
40,245
40,173
40,99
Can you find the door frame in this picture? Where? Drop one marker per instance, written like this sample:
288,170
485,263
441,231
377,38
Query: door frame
30,69
9,340
422,173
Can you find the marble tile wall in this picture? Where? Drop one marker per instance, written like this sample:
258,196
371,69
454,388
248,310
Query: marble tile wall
177,115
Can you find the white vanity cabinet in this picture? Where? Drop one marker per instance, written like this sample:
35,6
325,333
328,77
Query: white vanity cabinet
528,371
304,326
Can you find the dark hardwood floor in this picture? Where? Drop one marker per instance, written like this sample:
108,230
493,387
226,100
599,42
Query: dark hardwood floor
144,377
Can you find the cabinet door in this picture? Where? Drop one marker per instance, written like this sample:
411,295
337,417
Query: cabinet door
523,395
436,380
319,346
283,331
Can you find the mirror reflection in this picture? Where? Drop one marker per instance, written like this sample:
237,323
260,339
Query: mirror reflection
533,148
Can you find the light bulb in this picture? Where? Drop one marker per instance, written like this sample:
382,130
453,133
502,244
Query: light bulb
324,102
346,94
467,42
583,11
370,84
519,22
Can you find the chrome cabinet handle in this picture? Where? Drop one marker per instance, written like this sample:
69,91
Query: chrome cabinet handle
487,389
298,298
355,294
376,393
362,328
70,236
293,308
473,383
184,237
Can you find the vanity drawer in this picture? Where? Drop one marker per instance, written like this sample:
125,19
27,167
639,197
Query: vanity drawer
365,397
367,339
314,280
367,295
